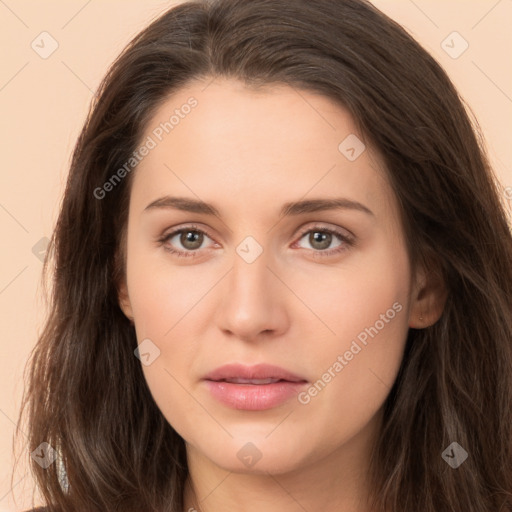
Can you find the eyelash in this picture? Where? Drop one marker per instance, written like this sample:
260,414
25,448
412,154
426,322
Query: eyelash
347,240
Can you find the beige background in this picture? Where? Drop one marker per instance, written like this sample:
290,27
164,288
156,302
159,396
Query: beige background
44,101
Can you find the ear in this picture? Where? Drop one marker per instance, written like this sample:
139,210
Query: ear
428,297
119,278
124,300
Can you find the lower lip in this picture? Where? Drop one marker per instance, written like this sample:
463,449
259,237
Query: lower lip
254,397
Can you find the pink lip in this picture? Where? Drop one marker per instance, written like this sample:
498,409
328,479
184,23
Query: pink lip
253,397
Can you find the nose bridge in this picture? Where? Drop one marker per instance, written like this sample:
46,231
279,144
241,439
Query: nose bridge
250,274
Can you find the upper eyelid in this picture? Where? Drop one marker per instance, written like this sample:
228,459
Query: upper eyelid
322,227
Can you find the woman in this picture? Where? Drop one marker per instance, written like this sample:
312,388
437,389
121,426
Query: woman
282,278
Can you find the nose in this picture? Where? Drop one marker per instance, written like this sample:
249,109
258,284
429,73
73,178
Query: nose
253,298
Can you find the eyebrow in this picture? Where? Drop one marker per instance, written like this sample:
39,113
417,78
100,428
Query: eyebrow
289,209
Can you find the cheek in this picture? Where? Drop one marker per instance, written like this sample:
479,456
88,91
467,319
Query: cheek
161,292
163,299
367,310
351,297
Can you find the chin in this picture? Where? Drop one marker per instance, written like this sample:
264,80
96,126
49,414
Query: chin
258,455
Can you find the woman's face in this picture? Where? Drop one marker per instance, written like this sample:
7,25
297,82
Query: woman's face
323,293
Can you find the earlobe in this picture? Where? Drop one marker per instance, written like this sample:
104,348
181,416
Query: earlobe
124,301
428,299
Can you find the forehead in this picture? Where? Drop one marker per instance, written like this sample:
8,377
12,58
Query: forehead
271,143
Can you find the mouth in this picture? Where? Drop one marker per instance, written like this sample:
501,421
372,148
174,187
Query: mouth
253,388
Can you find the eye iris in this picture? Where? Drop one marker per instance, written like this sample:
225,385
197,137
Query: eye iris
191,236
324,238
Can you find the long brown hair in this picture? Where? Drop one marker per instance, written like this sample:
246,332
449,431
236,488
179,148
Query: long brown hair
86,394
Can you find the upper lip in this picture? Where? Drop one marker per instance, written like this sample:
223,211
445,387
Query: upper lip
259,371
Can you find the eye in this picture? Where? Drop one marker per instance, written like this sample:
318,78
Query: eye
320,238
190,237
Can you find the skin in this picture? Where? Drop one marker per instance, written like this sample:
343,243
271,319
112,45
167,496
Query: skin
248,152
